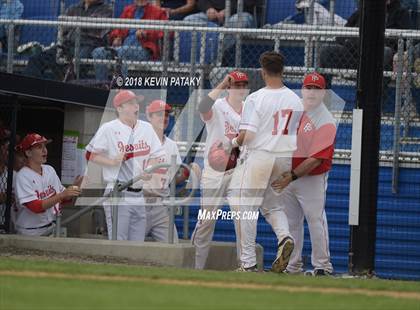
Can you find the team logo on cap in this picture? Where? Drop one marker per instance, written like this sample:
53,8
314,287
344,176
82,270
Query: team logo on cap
314,78
307,128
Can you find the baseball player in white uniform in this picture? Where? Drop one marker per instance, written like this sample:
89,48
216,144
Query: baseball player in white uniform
304,188
222,117
125,147
157,215
268,129
38,189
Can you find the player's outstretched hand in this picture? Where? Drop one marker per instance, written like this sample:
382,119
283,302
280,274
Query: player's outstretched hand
279,184
71,191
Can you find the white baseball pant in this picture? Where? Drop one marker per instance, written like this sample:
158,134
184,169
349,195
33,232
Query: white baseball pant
131,217
157,223
251,183
305,198
214,190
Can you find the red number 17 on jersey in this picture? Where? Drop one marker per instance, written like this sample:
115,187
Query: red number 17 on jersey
284,123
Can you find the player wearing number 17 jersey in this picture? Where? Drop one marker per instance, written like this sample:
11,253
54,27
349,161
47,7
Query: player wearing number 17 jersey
268,130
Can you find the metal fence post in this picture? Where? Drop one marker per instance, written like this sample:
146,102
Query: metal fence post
238,43
165,56
397,117
172,201
219,60
77,53
277,44
203,48
58,225
176,48
186,222
191,107
10,46
408,74
62,7
332,12
114,210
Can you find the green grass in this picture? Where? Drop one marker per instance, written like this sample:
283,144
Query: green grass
17,292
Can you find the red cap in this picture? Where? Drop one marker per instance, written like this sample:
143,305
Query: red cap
157,106
125,96
314,79
31,140
239,76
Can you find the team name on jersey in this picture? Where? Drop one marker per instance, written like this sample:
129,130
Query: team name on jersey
141,148
50,191
230,131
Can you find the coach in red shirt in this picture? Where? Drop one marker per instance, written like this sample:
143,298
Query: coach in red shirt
303,189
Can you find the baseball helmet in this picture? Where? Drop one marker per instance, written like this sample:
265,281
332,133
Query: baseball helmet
220,159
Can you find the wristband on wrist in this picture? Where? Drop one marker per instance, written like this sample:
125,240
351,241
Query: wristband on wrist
294,176
235,142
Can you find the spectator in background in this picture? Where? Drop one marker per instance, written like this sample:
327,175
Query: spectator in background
321,15
214,11
177,9
9,9
345,53
133,44
90,38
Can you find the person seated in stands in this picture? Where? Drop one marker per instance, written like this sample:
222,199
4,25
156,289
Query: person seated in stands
321,15
345,52
133,44
9,9
177,9
214,11
90,38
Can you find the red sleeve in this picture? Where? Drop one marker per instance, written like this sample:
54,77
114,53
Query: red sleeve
90,155
325,153
35,206
155,35
322,141
121,32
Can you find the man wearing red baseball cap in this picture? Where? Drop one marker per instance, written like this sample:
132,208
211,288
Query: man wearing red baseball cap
221,116
124,147
303,189
158,112
38,189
